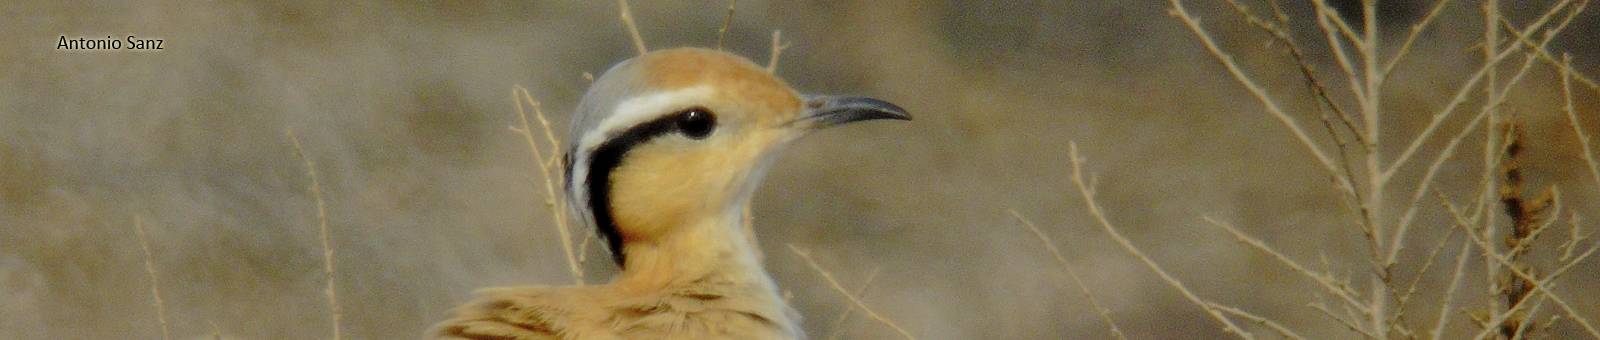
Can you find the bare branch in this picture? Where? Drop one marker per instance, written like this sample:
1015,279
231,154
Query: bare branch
1541,286
1466,89
1094,209
1572,119
1371,109
726,22
1427,178
1411,288
1487,110
777,49
583,248
155,284
1344,27
838,323
1105,314
1260,93
805,255
1576,236
1326,16
1276,327
1552,60
1491,89
1279,33
327,240
633,28
1522,327
1416,32
1498,98
216,332
1348,324
553,201
1325,280
1450,291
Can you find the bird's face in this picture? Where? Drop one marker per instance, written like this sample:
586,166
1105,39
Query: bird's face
681,137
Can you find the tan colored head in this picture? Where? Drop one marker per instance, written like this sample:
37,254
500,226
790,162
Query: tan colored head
681,137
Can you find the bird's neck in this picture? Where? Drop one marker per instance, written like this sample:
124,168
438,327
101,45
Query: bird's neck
715,249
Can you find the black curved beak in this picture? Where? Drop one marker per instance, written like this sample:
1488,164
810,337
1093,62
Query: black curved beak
829,111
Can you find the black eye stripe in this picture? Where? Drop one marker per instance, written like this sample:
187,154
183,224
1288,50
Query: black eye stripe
609,155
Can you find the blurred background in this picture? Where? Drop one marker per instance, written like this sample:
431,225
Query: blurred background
404,107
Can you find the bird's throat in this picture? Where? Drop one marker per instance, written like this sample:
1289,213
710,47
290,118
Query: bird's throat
713,250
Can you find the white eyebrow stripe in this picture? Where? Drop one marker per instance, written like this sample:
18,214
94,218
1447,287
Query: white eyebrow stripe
640,109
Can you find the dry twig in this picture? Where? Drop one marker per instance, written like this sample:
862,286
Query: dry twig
547,170
1540,286
1346,322
1427,264
327,240
1463,93
633,28
1450,291
727,21
1265,322
838,323
155,284
1105,314
1323,279
1260,93
216,332
1085,189
1572,120
777,49
1544,54
805,255
1411,38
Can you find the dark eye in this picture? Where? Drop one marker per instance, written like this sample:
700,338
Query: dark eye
697,123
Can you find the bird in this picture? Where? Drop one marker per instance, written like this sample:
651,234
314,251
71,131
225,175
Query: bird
665,153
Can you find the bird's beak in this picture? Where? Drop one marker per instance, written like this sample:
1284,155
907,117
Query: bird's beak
828,111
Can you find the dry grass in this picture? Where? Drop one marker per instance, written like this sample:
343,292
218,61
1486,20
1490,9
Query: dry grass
550,173
1380,311
155,283
336,314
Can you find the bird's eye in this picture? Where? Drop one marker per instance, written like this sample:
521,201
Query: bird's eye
697,123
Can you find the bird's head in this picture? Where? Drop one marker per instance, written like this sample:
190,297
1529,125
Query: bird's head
683,136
